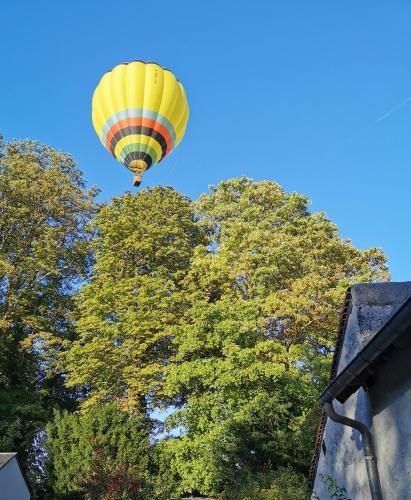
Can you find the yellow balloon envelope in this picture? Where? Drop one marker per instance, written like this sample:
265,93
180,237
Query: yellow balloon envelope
140,114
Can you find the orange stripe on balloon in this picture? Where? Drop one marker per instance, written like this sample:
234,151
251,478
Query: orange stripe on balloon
147,122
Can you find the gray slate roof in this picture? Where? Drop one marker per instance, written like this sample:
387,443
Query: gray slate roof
5,457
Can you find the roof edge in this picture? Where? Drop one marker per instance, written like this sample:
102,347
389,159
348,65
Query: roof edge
15,455
352,376
342,326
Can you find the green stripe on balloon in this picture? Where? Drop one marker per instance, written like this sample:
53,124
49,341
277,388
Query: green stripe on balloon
138,147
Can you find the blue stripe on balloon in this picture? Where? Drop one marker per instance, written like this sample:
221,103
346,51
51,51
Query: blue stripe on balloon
137,113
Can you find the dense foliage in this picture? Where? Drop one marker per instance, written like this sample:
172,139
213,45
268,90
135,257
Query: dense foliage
102,453
252,353
144,246
44,254
224,311
220,313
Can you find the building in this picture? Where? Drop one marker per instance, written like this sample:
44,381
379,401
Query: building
369,453
13,481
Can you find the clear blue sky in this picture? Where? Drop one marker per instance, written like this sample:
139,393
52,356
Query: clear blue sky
313,94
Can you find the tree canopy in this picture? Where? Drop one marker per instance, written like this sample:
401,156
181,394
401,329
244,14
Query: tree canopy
102,453
143,248
253,351
223,311
45,209
219,313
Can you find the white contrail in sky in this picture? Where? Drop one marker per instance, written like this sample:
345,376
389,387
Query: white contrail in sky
393,110
380,118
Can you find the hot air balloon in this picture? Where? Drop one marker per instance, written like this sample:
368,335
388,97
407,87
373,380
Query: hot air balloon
140,113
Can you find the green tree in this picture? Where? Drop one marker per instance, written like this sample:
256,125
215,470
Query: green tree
226,310
253,349
143,247
282,484
44,254
99,454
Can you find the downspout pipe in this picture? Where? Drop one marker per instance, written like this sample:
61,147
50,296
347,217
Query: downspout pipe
368,447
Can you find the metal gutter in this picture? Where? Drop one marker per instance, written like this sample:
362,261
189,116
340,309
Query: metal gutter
359,370
368,445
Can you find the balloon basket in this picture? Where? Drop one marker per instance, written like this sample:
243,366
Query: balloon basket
137,179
